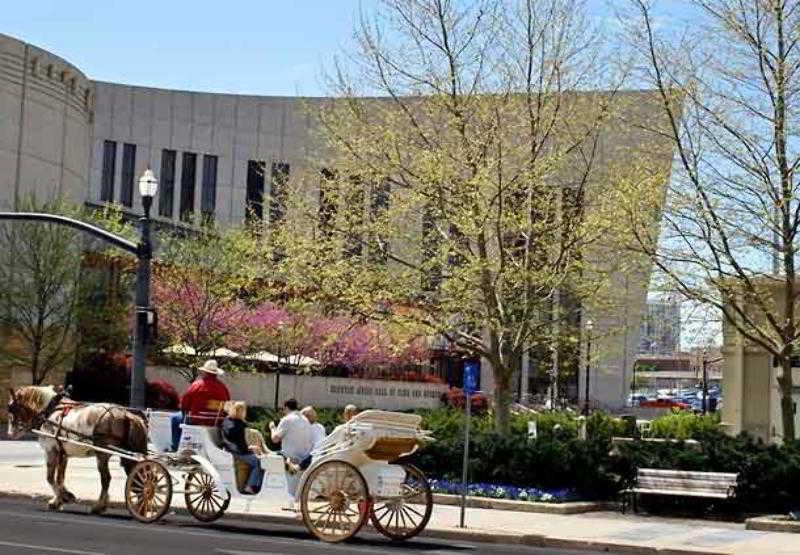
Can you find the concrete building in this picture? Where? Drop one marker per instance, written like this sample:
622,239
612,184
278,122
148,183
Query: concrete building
752,399
660,333
222,156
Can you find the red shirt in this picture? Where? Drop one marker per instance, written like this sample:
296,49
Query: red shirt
204,396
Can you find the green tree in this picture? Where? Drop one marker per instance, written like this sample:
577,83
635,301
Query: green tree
40,271
455,204
732,209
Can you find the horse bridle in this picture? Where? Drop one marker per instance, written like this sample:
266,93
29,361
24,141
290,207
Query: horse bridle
35,421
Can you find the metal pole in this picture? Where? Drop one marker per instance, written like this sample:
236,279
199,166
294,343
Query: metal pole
277,386
705,384
145,254
588,354
465,465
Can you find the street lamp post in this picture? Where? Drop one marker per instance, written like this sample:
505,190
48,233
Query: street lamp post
589,327
148,186
705,382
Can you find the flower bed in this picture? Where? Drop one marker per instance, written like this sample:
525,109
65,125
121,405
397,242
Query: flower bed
497,491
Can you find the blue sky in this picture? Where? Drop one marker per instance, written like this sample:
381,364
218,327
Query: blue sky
271,47
239,46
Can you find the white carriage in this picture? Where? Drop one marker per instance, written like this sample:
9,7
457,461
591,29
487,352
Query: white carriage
353,477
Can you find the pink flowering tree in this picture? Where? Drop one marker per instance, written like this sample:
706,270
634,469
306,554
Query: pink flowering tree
195,317
364,347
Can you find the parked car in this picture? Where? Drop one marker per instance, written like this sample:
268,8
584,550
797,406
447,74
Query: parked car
664,404
635,399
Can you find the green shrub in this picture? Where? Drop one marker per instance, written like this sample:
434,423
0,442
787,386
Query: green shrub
683,425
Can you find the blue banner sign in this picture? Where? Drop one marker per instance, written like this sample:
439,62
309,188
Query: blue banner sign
471,370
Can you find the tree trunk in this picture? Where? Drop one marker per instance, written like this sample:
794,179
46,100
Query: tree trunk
502,399
787,400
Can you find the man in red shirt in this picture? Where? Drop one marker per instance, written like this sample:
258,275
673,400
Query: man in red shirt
203,398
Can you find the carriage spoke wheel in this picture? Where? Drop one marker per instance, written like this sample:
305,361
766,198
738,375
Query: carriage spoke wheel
204,499
334,501
148,491
406,516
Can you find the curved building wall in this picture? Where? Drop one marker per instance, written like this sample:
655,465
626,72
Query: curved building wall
45,124
191,127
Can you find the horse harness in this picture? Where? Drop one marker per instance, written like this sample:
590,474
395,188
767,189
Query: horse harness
65,405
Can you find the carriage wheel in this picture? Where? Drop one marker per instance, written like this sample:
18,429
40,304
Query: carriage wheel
204,499
406,516
148,491
332,501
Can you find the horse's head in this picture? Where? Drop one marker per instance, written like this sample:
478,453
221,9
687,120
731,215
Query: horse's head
25,407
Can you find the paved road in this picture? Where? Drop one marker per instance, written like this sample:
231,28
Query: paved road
20,452
26,528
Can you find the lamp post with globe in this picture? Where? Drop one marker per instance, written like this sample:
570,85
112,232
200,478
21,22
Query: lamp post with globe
589,328
148,187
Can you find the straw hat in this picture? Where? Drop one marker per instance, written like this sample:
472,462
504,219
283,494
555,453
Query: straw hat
211,367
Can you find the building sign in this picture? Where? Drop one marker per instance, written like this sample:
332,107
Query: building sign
393,391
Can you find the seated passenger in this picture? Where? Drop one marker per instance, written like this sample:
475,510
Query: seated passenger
293,432
206,394
318,432
349,412
233,440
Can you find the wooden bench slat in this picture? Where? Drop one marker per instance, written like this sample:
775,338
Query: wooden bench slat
682,493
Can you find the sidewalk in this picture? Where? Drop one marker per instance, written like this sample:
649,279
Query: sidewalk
598,531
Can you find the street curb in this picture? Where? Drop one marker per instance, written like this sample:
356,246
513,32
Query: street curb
568,508
773,523
467,534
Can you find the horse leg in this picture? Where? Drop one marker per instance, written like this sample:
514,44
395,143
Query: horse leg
66,496
105,480
53,457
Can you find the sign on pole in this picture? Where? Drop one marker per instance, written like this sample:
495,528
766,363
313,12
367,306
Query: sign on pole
471,369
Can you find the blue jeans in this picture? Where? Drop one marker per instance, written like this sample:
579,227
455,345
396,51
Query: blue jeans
254,480
176,420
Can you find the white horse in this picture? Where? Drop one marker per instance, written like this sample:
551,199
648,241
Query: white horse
104,424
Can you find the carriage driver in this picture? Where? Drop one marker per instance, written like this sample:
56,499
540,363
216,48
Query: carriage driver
206,394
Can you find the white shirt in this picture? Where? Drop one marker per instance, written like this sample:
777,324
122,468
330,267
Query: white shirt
296,436
318,433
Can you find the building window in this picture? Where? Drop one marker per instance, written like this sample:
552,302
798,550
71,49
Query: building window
128,174
188,180
166,193
353,216
378,207
209,199
431,244
109,167
327,203
254,202
277,192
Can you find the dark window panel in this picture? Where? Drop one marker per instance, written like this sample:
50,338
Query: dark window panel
188,182
327,203
209,200
166,192
254,201
354,220
378,207
279,181
109,167
128,174
432,271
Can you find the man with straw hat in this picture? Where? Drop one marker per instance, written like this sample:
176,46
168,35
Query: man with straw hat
201,403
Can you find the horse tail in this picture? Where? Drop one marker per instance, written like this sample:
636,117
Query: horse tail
136,439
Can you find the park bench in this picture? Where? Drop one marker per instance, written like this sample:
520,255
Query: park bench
716,485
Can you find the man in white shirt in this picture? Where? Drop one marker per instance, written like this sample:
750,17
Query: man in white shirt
318,432
293,432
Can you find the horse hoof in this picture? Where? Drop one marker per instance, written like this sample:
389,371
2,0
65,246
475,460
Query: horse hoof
54,505
67,497
98,509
